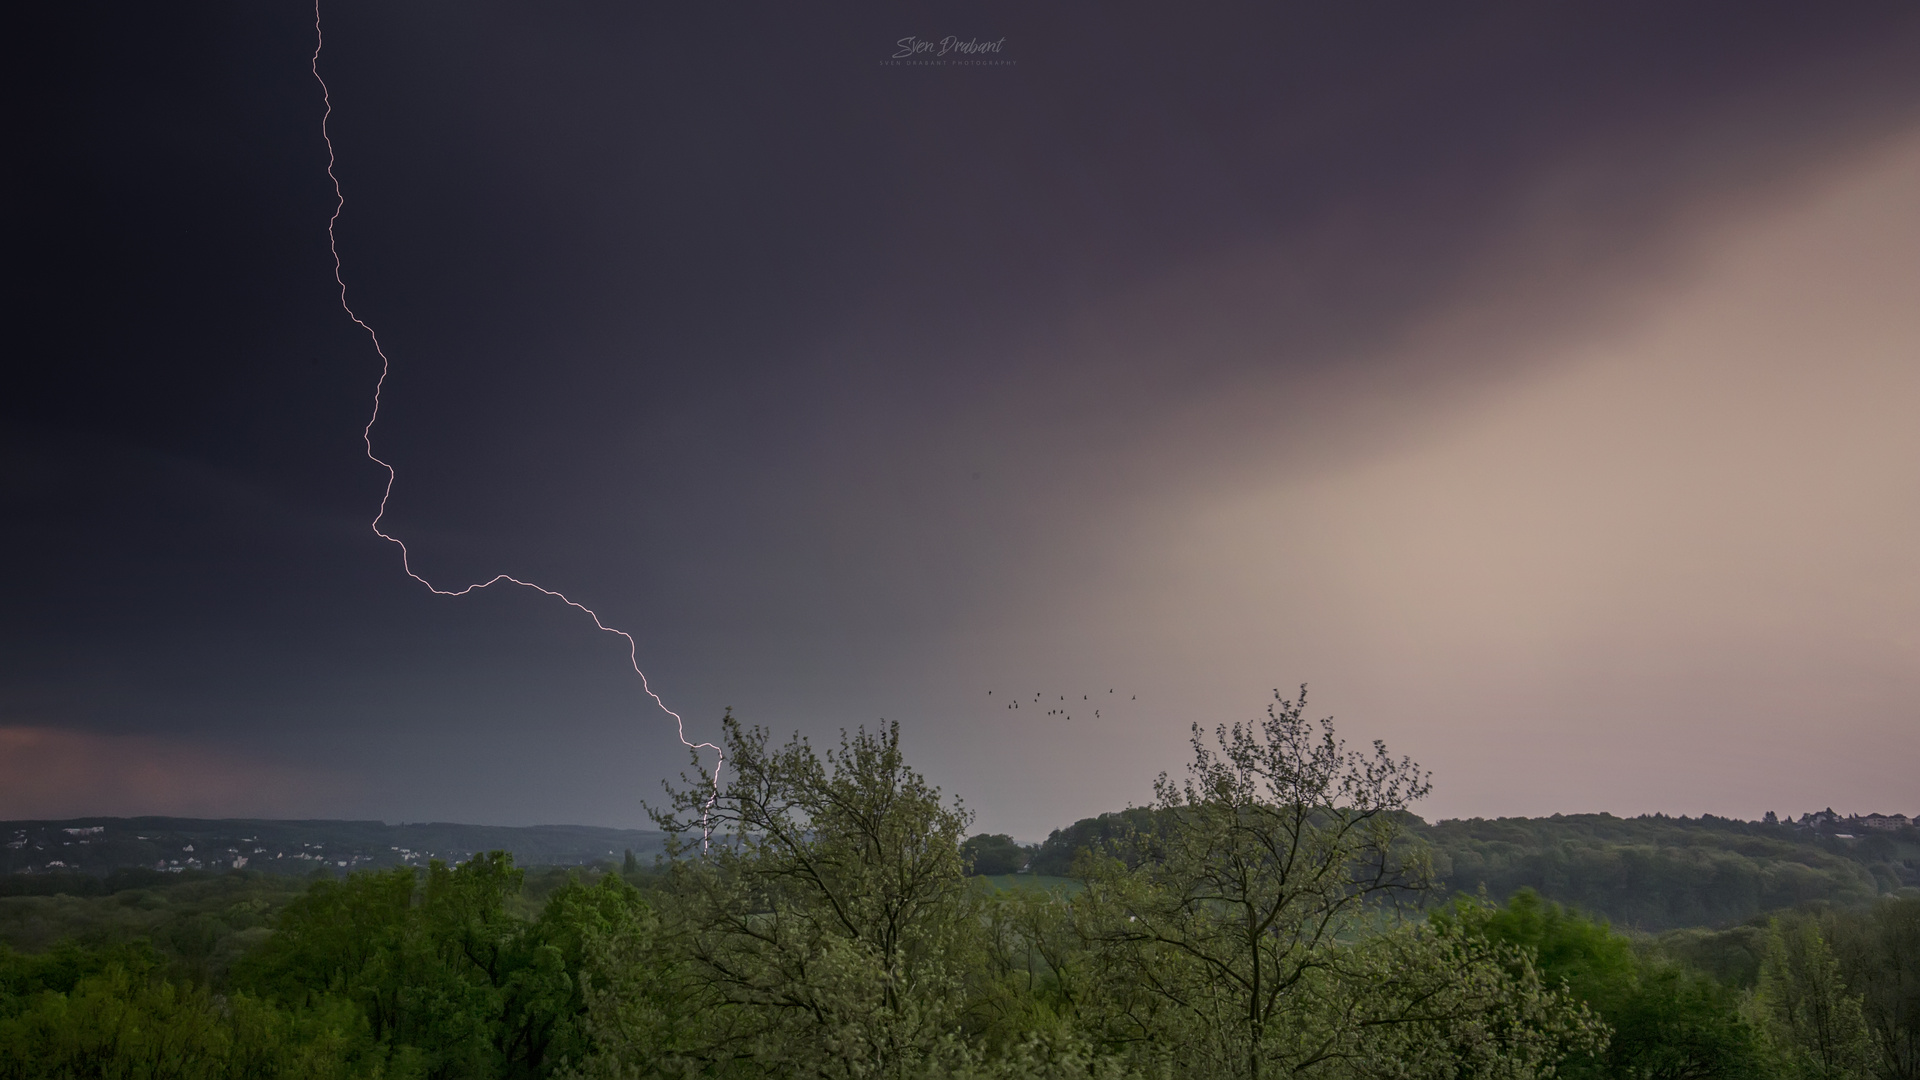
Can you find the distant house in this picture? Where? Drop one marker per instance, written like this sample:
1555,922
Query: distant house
1828,821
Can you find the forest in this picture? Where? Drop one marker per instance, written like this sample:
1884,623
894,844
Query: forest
1277,911
1650,873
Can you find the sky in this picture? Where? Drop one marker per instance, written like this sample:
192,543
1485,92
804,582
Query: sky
1537,383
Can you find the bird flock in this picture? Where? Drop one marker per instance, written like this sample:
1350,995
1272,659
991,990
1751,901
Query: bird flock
1062,707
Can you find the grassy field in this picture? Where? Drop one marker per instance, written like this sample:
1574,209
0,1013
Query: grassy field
1029,881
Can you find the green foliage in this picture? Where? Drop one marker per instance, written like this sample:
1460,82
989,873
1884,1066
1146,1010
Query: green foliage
1228,917
1658,873
1731,956
817,923
827,916
1595,963
197,926
77,1011
63,967
79,883
1439,1002
1814,1020
1651,873
1879,955
1063,847
1025,882
1666,1022
391,974
827,927
1682,1025
445,977
993,854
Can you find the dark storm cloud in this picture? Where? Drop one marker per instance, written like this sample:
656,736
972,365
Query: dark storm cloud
808,370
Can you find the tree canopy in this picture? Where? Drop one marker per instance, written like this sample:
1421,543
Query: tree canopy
1275,912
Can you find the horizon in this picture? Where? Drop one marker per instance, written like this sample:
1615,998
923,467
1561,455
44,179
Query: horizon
1783,820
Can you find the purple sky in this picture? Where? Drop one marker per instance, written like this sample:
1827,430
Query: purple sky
1537,383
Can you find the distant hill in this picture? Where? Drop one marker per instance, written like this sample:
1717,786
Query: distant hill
1658,873
1648,873
101,844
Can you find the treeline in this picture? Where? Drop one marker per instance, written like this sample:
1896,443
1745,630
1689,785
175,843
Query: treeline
97,846
1658,873
1649,873
818,919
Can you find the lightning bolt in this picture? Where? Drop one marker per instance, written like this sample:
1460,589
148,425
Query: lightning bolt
366,435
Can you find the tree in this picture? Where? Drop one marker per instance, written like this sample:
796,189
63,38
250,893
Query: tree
1225,926
1879,953
1681,1025
1435,1001
1813,1018
1668,1023
1062,847
105,1011
623,1002
449,980
994,853
826,922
